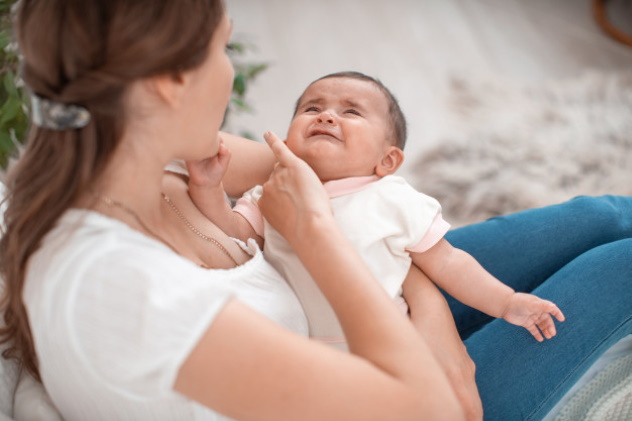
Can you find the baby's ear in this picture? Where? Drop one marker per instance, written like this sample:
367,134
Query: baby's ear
391,160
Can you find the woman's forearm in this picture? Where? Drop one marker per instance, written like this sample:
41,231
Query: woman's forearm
370,314
432,318
296,204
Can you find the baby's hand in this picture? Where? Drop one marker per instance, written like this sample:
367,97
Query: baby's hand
209,172
534,314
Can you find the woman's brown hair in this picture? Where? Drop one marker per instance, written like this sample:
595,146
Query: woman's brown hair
83,52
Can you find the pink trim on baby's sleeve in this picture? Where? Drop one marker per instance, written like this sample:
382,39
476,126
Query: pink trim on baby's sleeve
436,232
251,212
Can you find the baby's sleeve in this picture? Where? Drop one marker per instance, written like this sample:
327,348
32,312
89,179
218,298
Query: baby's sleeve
420,216
247,206
437,230
136,319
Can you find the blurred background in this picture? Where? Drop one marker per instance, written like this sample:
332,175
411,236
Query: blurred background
510,103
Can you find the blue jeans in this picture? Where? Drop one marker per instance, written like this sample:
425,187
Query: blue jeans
577,254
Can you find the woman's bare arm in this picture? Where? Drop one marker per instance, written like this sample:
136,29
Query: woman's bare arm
251,164
431,316
251,369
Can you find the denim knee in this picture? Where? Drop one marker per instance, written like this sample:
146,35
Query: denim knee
611,214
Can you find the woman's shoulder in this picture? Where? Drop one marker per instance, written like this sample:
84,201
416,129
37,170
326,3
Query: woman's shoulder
110,305
84,237
87,251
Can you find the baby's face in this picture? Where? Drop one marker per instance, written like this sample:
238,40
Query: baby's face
341,128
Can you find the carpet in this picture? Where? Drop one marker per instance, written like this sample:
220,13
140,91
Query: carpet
607,397
508,146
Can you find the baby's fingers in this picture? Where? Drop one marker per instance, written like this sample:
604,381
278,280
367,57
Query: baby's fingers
557,313
547,326
533,329
223,153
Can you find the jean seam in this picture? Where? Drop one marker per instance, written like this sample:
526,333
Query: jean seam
545,400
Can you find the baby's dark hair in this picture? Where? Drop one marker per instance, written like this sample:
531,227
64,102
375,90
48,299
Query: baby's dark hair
398,121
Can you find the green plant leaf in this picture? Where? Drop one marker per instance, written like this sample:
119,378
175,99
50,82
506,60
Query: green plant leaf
6,148
10,109
255,69
241,104
5,39
237,47
239,84
9,84
248,135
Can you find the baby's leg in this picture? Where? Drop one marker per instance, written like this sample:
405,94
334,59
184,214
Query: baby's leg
526,248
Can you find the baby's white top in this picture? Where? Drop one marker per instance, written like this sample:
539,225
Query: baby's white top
384,218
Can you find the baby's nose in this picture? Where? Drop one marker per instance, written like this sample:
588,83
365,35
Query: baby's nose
326,117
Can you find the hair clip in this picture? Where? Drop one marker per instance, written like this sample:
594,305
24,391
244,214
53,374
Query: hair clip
57,116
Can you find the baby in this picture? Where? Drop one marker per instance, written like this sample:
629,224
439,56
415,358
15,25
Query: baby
349,128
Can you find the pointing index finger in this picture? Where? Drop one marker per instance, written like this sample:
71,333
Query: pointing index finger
279,148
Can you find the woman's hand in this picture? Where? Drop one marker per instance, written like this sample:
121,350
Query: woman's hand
293,194
259,370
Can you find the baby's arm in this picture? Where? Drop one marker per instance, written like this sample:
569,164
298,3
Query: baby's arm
250,165
207,192
461,276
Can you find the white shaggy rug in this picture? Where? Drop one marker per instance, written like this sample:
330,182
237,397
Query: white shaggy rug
509,146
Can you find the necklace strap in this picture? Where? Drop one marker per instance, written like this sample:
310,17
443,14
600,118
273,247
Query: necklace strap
196,231
115,203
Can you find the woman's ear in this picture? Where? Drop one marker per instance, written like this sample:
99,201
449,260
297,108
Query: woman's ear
390,162
169,87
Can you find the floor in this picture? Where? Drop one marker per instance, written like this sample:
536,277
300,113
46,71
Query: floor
415,47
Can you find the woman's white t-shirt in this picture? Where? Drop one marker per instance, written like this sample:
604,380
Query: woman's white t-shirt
114,314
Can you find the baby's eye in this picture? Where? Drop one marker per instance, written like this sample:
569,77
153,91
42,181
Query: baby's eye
352,111
311,109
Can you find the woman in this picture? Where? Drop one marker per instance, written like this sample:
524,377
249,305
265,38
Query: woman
136,306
